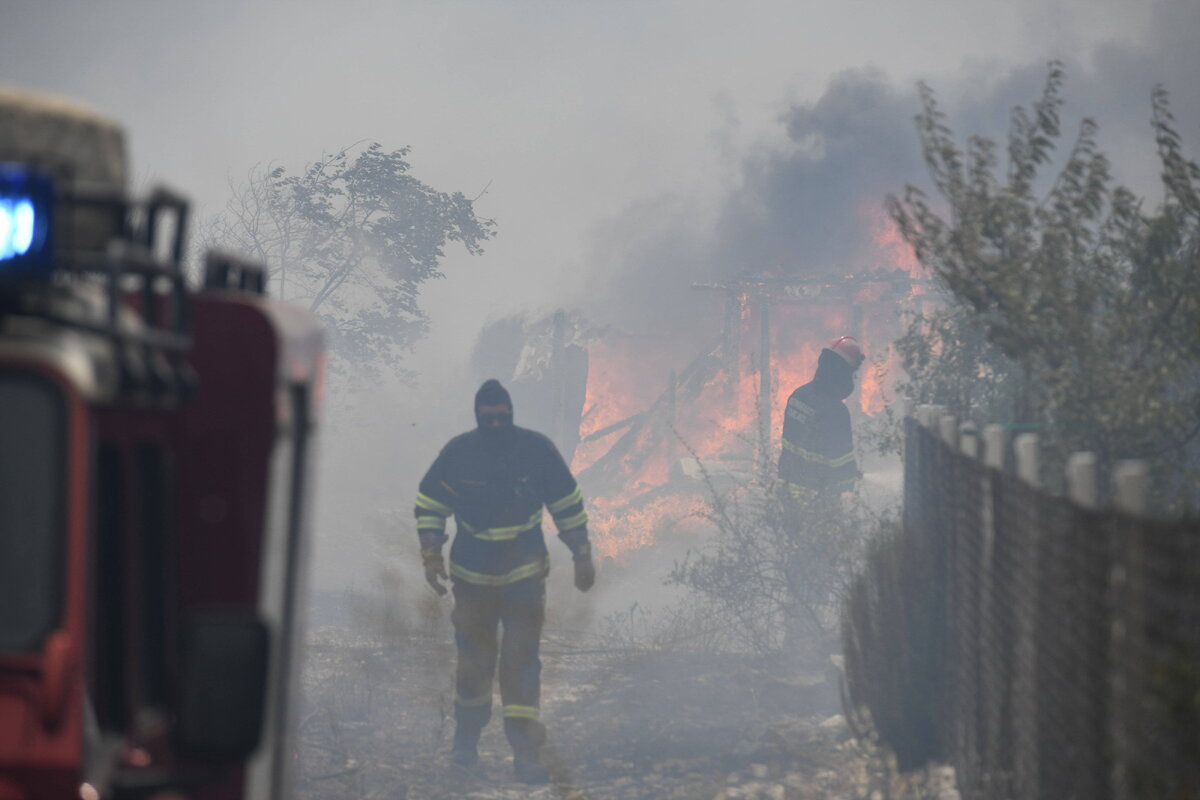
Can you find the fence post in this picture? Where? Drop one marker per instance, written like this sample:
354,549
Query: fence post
948,429
993,446
1025,689
989,701
920,412
1131,480
1127,583
928,415
968,439
1028,462
1081,480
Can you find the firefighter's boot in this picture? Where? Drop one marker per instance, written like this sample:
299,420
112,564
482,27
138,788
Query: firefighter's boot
526,737
465,751
468,724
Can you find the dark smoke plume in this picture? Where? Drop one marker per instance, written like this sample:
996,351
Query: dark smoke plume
808,205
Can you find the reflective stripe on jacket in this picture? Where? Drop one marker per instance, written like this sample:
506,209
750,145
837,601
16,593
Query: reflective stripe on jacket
496,488
818,448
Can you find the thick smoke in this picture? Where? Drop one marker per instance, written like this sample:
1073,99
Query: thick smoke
808,205
798,208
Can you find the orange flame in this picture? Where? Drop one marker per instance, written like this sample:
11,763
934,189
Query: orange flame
721,422
897,253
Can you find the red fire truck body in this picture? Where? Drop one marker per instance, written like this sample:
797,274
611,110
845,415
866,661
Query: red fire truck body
155,455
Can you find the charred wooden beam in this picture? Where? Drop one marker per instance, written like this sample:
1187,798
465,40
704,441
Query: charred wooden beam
613,428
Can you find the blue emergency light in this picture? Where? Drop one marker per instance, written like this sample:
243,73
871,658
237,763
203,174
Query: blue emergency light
26,202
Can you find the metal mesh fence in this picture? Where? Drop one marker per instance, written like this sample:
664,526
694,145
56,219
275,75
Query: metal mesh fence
1042,649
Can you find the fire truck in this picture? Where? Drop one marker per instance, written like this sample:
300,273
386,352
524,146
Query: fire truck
156,445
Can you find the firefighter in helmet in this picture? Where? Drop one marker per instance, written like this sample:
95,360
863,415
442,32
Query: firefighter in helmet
495,480
817,458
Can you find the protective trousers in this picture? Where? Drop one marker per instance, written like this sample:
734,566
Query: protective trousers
478,612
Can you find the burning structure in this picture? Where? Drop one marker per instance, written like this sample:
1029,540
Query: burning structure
647,440
642,434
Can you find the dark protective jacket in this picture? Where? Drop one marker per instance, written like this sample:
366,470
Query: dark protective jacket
495,484
818,449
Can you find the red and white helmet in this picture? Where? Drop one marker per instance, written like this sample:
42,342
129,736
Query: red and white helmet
848,348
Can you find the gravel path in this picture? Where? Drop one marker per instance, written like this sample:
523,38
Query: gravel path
376,722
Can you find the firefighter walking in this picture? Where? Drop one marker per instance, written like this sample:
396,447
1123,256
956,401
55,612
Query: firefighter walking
495,481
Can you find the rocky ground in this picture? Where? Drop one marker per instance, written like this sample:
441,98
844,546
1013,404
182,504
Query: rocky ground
377,721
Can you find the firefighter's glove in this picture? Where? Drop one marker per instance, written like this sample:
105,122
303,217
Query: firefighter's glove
585,573
435,571
581,552
435,565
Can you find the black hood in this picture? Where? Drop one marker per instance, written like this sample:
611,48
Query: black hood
491,393
834,376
